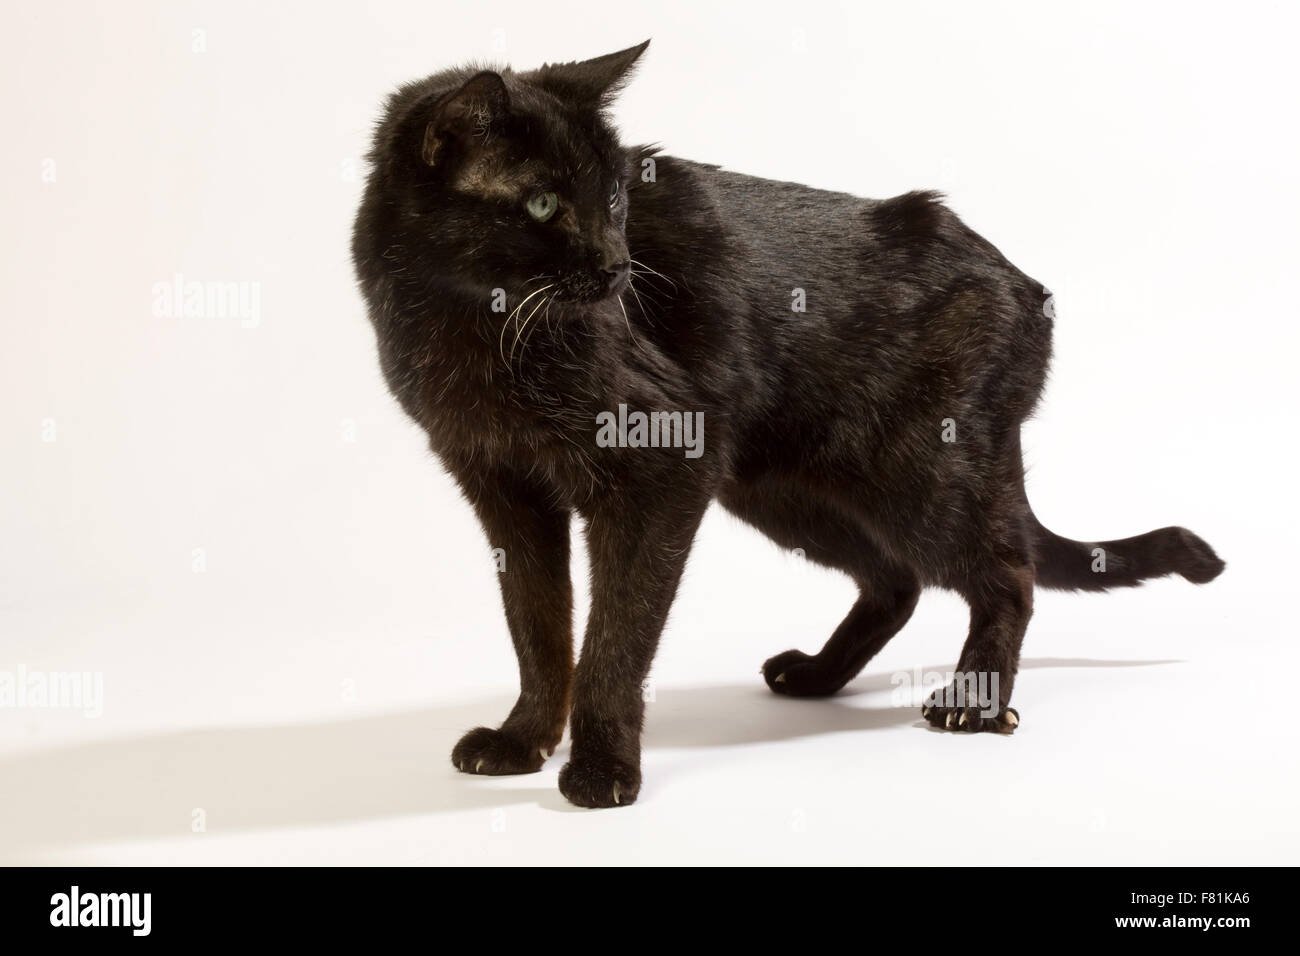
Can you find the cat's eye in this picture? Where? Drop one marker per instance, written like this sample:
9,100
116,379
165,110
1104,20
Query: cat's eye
542,206
614,196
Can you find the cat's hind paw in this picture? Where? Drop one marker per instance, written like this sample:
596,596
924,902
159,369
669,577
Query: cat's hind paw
796,674
969,719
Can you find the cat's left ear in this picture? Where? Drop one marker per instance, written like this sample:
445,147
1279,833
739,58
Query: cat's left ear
590,83
466,112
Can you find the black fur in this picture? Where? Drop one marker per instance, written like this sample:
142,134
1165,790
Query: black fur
878,430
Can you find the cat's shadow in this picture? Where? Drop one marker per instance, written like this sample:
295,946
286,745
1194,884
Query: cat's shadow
368,768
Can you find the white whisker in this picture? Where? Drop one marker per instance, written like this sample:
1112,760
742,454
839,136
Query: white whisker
628,323
638,262
519,328
501,344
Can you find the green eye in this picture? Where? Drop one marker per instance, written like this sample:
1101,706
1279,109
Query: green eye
542,206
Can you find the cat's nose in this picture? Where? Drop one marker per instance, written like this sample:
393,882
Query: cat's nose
614,274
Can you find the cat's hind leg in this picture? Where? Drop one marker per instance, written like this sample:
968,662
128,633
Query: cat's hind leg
829,536
878,615
1001,601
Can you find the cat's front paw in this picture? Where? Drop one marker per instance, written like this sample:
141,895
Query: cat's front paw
967,719
596,781
487,751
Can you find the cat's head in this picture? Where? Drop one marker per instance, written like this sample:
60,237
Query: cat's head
516,181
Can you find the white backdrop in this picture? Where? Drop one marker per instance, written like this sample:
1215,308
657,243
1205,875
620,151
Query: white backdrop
294,615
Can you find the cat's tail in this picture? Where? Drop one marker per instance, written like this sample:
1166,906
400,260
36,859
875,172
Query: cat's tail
1101,565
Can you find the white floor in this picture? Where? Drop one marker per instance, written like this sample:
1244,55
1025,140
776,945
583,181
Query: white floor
1155,730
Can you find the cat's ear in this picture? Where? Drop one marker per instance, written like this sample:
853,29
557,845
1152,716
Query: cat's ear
466,112
590,83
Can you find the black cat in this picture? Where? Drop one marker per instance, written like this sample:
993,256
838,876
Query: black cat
558,310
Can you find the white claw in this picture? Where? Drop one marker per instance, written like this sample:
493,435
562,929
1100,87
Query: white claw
542,751
962,721
780,679
948,722
925,710
478,766
616,793
1012,719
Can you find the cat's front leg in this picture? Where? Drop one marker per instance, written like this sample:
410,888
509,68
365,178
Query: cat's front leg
529,536
638,545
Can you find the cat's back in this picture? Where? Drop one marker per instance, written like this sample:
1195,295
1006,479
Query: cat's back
816,225
785,221
895,256
880,287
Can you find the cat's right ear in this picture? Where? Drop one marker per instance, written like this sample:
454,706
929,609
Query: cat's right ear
465,113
